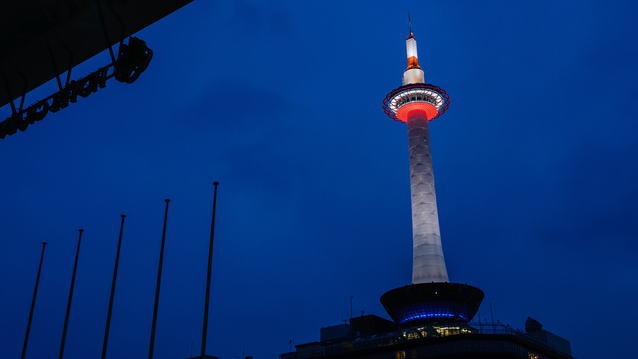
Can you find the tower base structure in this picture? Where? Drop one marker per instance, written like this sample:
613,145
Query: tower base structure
432,303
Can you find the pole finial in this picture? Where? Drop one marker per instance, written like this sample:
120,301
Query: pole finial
410,25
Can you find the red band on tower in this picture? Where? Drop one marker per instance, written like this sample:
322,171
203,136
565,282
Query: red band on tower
428,111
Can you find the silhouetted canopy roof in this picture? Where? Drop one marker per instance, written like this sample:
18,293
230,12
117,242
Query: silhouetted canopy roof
42,38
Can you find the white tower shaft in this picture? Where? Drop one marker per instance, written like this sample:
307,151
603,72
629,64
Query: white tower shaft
428,264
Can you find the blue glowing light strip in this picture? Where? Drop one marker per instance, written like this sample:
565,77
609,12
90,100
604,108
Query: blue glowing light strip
431,315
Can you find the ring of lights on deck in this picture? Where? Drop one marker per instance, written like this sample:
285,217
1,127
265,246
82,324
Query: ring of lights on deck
424,93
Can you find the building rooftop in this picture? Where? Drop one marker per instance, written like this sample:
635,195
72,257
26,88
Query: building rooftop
373,336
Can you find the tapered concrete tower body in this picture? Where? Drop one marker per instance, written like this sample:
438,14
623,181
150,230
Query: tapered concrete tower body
428,264
431,298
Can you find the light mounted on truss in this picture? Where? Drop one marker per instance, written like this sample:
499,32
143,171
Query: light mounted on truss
133,58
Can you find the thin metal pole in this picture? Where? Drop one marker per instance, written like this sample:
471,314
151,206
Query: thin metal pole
351,298
71,290
210,268
112,295
151,348
33,299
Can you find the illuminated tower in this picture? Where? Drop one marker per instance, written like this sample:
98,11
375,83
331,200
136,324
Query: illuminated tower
430,297
431,315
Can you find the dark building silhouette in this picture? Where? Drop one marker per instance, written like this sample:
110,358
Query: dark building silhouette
372,337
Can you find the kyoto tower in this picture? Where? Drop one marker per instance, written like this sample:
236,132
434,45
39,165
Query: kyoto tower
431,299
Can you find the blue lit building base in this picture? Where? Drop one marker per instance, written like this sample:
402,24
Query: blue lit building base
429,303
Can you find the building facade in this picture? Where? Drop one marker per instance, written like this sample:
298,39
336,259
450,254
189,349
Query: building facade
372,337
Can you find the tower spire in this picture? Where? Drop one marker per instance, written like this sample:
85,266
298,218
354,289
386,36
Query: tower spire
413,74
410,26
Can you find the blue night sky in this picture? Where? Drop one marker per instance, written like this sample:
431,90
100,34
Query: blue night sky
535,166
